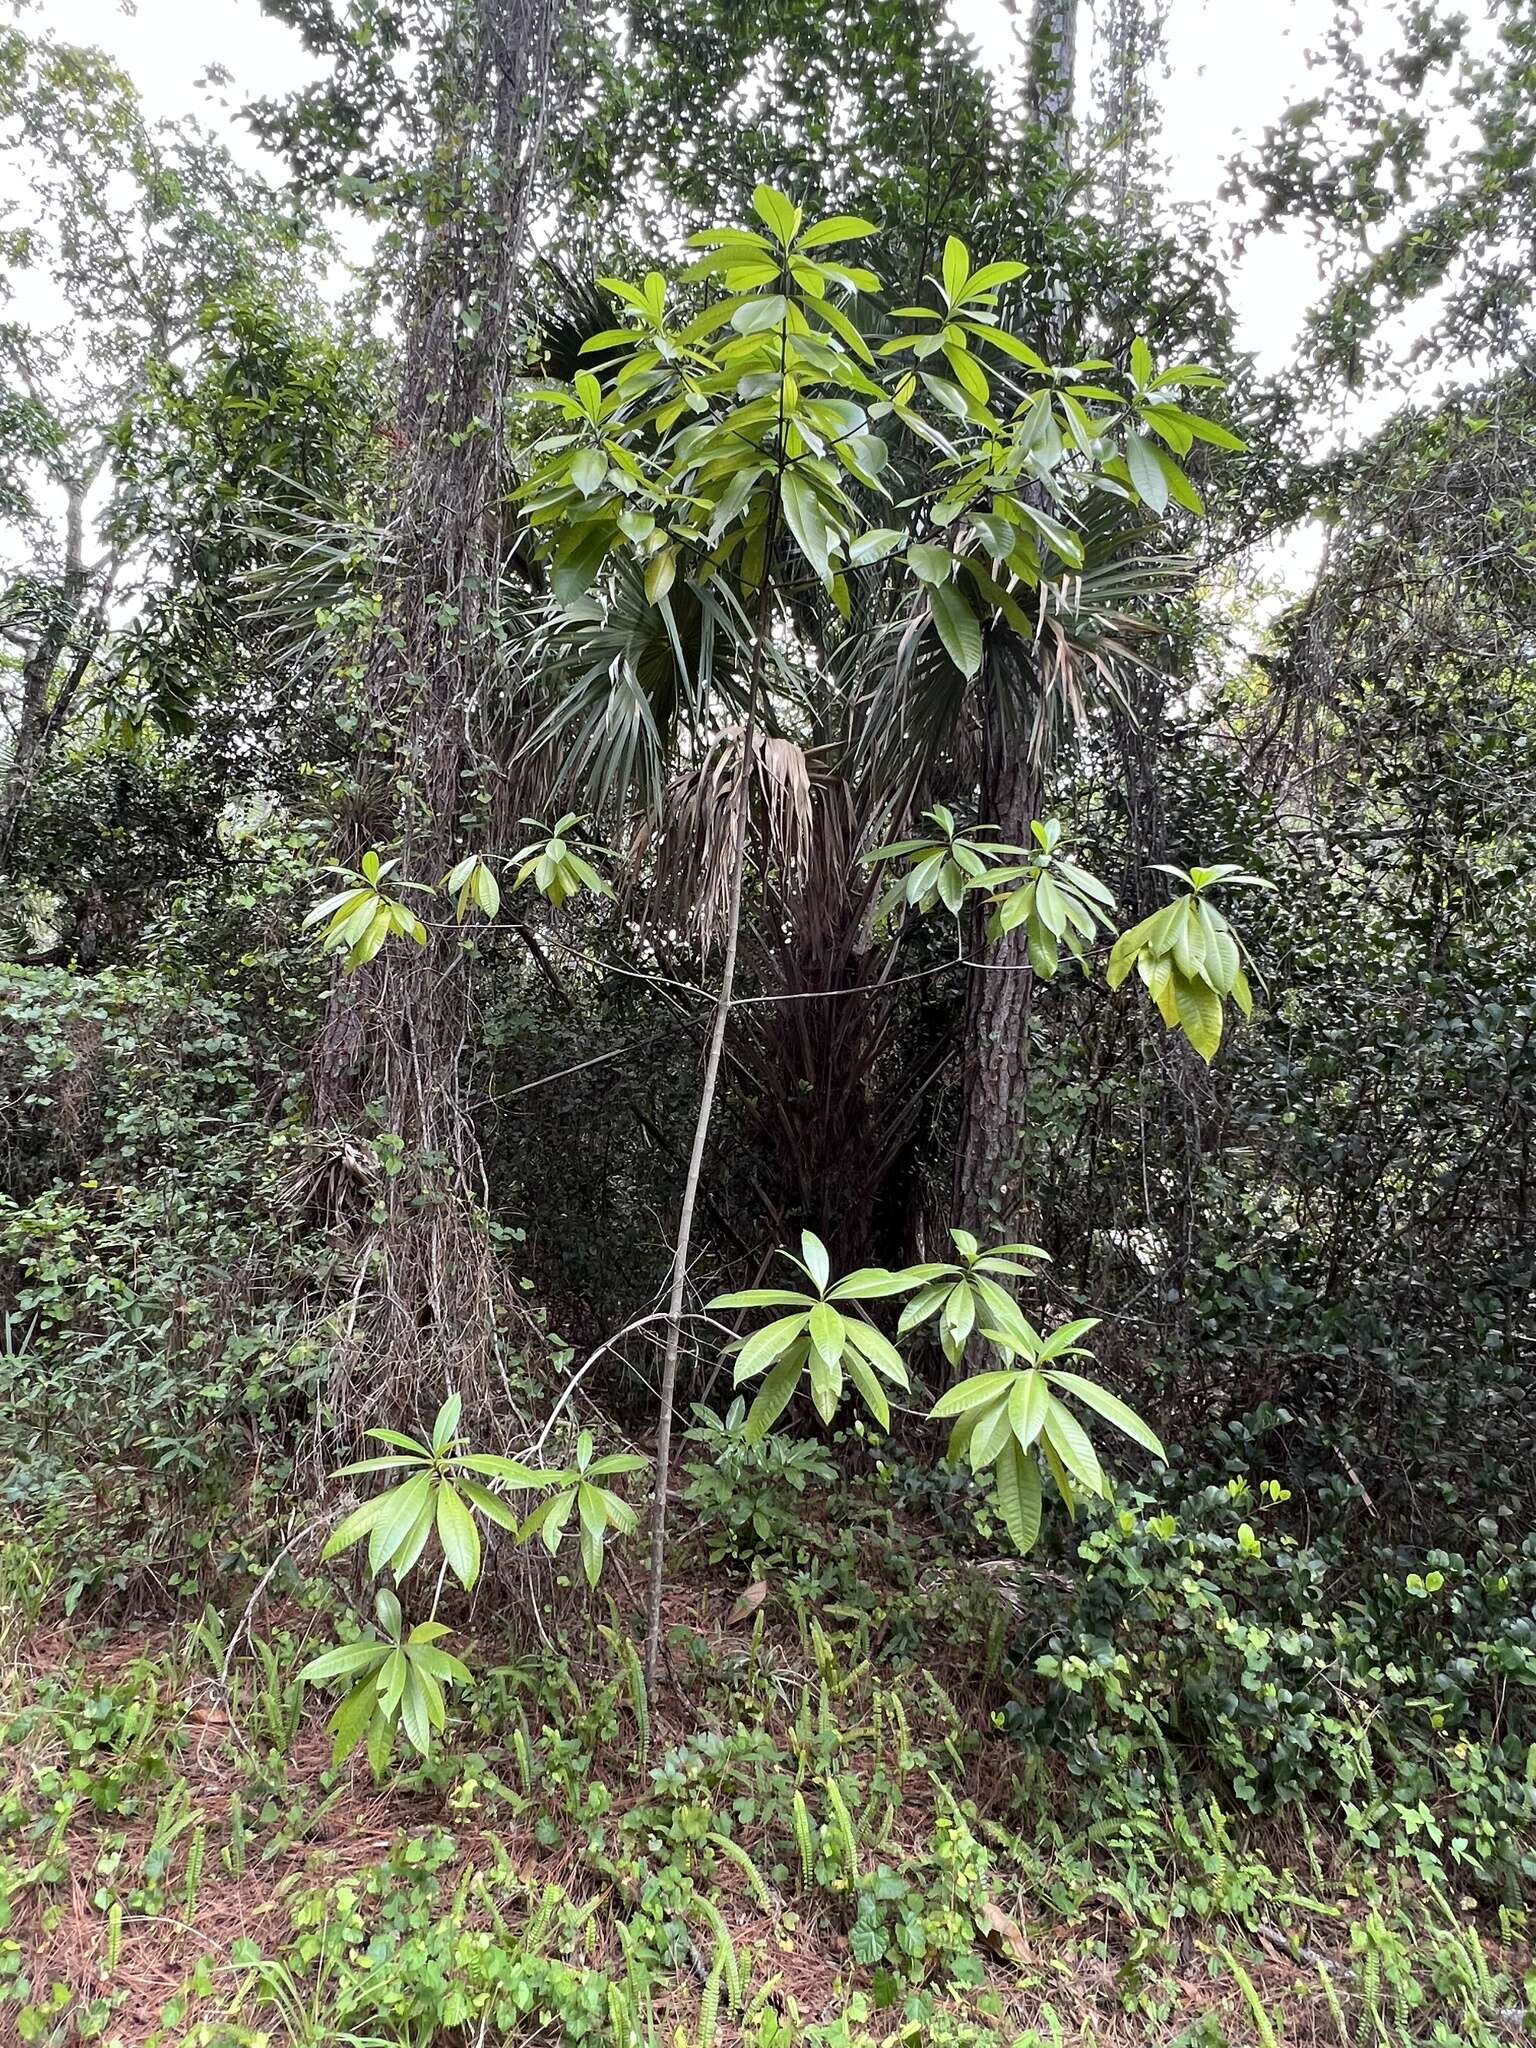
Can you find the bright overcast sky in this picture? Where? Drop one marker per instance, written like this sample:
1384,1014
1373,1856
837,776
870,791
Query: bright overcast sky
1233,65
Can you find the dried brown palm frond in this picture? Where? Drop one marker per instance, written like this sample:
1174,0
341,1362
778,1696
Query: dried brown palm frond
784,778
691,843
1012,1581
334,1179
832,878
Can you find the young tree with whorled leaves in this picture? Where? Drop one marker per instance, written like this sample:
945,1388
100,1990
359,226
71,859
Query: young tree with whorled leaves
745,451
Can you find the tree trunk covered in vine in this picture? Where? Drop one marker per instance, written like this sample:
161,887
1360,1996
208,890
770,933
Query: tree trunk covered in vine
1052,72
42,708
390,1051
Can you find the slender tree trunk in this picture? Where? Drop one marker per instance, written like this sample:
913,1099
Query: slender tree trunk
712,1058
35,720
988,1184
391,1043
762,624
1052,72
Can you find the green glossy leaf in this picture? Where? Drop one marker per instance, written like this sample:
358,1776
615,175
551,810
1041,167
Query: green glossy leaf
826,1329
402,1508
1026,1407
958,627
460,1539
615,1463
990,1434
826,1376
874,545
870,1283
414,1717
806,521
760,1297
972,1393
930,564
882,1354
489,1504
757,316
1112,1409
350,1722
1199,1009
780,216
922,1306
1066,1337
765,1345
408,1550
356,1525
959,1316
1018,1495
817,1262
839,227
1146,473
1069,1440
774,1396
345,1661
869,1388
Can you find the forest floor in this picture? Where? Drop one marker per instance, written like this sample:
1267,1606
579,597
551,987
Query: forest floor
791,1844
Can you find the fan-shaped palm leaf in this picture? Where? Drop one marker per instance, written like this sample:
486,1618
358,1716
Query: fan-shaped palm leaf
616,689
1085,642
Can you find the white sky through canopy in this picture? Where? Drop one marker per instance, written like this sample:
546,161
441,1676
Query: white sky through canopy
1231,68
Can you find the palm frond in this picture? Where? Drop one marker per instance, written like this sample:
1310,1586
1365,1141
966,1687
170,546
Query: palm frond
31,924
694,841
314,556
1085,643
573,308
614,690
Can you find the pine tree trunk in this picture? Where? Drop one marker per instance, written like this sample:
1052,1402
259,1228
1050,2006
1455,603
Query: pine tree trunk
988,1190
390,1050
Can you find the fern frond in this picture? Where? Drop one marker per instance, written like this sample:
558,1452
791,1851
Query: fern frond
845,1828
734,1853
804,1841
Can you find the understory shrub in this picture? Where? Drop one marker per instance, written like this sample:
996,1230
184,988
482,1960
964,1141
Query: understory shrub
1199,1648
157,1339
